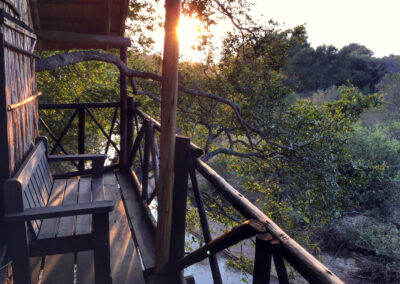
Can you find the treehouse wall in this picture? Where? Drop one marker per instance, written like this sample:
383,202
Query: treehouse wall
19,84
18,127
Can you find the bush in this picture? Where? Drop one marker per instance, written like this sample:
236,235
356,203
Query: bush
375,168
378,241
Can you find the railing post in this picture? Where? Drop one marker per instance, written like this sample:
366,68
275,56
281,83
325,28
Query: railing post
279,263
177,250
148,127
262,259
81,135
123,112
216,274
129,130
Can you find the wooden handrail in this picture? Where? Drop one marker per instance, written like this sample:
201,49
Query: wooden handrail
194,149
306,264
78,105
80,109
25,101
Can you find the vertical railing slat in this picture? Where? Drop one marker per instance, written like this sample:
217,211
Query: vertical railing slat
81,135
278,261
262,259
216,274
148,125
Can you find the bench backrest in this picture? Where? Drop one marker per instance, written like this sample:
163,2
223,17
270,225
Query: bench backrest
35,184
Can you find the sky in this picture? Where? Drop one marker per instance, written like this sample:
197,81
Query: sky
373,23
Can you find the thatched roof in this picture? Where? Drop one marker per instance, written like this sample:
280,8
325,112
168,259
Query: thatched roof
65,24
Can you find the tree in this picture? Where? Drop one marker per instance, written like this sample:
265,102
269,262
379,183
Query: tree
312,69
289,152
390,86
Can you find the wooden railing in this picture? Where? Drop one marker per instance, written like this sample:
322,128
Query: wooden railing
143,166
81,111
271,241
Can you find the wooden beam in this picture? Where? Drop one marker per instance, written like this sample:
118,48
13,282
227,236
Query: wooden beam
169,97
62,40
5,158
35,13
239,233
123,110
107,19
124,13
179,203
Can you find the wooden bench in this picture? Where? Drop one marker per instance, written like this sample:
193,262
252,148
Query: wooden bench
49,216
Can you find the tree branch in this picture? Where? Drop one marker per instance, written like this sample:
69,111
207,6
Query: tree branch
58,60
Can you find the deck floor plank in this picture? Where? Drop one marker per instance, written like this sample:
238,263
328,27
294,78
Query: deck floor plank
35,268
125,263
58,269
144,231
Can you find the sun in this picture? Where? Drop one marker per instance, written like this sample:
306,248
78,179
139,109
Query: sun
189,33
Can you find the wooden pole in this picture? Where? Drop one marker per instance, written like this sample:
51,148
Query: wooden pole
279,263
5,158
262,259
148,128
169,96
123,111
81,136
179,204
129,131
216,274
239,233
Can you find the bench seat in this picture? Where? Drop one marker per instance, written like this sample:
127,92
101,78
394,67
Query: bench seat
49,216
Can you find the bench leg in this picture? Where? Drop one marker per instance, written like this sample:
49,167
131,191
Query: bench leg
101,246
19,253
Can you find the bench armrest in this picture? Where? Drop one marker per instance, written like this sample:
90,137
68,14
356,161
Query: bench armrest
97,161
61,211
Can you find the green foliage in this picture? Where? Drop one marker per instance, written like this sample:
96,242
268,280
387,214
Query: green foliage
390,86
375,168
376,239
83,82
303,186
311,69
307,162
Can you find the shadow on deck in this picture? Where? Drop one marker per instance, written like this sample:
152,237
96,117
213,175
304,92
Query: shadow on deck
126,266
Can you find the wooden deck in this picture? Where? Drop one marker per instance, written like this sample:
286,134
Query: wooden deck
79,267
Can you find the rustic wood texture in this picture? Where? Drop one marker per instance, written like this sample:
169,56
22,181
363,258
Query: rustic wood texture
18,9
169,98
20,84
